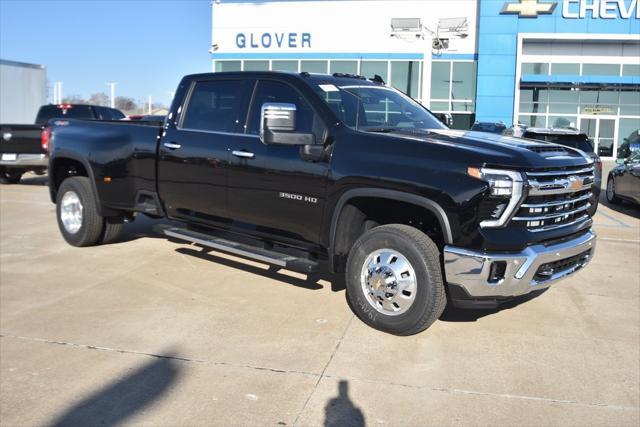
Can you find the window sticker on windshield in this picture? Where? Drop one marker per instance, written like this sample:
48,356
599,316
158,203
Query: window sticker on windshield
329,88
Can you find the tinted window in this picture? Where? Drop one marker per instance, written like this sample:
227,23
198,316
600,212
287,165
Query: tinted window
116,114
49,112
269,91
489,127
371,107
218,105
105,113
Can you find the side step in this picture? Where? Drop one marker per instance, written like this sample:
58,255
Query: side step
289,262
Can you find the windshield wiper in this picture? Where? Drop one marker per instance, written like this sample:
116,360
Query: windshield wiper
381,129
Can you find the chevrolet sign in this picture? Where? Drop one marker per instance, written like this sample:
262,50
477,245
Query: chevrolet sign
528,8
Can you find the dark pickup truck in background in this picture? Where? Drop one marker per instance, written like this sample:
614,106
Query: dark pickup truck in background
23,146
340,174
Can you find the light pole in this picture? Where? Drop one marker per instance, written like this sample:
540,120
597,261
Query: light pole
57,93
113,93
149,104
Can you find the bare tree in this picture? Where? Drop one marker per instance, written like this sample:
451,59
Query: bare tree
74,99
124,103
99,98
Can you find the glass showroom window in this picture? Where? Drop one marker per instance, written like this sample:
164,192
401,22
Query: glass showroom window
221,66
344,67
317,67
453,90
370,69
255,65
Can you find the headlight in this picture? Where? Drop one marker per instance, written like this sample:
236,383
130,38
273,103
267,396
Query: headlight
505,194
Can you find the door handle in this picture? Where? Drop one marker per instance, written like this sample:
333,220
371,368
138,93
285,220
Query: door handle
243,154
172,145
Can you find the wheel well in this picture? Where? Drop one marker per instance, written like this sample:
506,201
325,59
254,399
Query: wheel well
65,168
360,214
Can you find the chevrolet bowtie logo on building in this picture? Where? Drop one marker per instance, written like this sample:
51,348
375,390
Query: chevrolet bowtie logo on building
528,8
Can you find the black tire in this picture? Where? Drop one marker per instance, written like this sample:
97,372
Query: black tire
10,175
112,232
611,192
92,224
424,257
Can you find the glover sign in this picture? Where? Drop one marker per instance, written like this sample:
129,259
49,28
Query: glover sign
273,40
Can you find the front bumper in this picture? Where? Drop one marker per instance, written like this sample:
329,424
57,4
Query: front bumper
502,275
26,161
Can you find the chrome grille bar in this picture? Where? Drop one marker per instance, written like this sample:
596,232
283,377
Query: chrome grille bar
553,215
557,203
562,172
564,224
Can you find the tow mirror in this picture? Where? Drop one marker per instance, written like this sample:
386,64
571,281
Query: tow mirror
278,124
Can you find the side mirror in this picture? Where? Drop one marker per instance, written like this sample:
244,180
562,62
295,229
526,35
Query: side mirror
445,118
621,161
278,124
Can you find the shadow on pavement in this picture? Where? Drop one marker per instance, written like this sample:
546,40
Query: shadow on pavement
453,314
143,226
340,411
624,207
272,272
123,398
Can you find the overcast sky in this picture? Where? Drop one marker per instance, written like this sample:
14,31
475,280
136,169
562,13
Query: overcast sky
143,45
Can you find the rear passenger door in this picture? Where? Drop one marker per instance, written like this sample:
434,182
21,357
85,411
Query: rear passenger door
271,188
193,156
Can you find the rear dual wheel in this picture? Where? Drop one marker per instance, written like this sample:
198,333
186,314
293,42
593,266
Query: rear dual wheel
394,279
78,218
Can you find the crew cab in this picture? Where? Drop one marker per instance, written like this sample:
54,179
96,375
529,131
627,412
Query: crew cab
338,174
23,146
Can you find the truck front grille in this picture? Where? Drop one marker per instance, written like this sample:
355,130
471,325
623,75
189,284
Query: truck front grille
556,198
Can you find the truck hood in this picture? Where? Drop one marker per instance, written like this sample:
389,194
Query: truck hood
500,151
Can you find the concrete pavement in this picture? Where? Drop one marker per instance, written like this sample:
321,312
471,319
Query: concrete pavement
153,332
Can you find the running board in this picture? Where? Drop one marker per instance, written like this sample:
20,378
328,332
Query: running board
289,262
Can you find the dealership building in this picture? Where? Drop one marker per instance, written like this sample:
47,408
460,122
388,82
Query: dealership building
571,63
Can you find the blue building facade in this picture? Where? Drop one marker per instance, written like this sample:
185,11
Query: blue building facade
562,63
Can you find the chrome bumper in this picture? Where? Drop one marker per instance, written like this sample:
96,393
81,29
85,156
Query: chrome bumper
471,269
26,160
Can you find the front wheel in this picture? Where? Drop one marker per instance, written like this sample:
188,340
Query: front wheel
10,175
77,212
611,191
394,279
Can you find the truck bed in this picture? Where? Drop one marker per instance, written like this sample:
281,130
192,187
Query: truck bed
20,139
122,155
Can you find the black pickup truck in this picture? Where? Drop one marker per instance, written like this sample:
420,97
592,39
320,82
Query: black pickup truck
339,174
23,147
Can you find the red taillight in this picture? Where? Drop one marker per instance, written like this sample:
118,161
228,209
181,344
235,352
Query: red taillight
64,106
45,138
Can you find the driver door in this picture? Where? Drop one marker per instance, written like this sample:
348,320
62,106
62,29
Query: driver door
271,189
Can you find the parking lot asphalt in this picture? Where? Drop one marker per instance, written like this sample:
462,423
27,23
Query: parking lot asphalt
149,331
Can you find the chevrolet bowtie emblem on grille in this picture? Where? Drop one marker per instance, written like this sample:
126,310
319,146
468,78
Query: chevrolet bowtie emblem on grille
575,183
528,8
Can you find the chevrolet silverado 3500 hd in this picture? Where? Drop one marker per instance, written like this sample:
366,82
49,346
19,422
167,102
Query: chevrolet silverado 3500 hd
335,172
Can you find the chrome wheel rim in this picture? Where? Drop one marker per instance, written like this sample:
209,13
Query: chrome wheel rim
610,191
389,282
71,212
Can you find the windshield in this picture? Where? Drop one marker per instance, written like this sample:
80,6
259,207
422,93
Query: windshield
376,108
